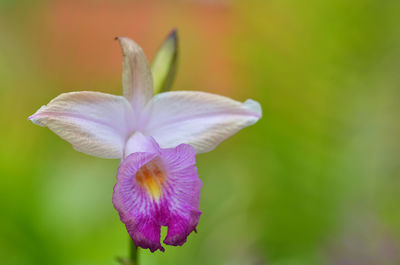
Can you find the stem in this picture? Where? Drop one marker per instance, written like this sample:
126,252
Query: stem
134,253
133,256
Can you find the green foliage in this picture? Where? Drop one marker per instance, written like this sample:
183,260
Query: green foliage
164,65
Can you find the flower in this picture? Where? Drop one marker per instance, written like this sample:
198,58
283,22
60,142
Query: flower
156,137
159,187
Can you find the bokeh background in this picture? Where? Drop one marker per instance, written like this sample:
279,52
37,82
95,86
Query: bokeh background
315,181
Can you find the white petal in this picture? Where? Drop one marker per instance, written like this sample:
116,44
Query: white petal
94,123
200,119
138,143
137,81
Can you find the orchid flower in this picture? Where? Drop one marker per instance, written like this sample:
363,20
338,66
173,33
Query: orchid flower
156,137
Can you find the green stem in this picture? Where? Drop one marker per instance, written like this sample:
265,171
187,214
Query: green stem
134,253
133,256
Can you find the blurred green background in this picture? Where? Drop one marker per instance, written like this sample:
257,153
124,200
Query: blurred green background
315,181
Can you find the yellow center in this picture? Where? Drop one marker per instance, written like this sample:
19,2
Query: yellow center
151,177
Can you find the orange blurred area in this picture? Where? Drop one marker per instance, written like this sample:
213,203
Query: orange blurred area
68,34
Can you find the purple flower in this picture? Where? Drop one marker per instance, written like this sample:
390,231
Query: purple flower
158,187
156,138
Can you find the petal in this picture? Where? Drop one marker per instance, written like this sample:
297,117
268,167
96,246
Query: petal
158,189
137,81
135,207
182,193
94,123
200,119
137,142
